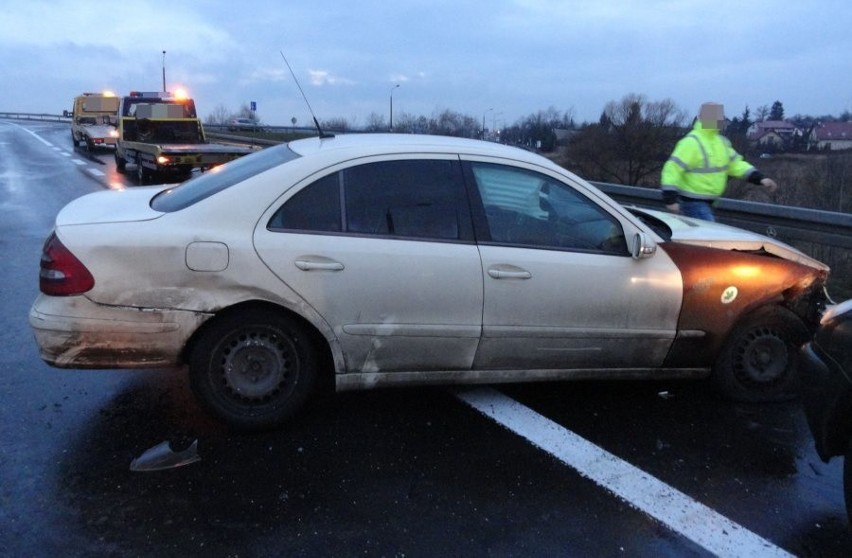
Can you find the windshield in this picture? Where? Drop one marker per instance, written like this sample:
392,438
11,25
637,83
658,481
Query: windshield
218,179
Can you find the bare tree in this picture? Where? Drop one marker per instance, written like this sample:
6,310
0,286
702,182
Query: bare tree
409,124
631,141
337,124
761,114
450,123
375,123
220,115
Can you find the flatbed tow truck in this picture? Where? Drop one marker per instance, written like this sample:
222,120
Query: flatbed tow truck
161,135
93,120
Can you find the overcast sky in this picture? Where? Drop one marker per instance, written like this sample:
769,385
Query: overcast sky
515,57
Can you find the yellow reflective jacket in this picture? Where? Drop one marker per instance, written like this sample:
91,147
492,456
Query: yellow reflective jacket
700,165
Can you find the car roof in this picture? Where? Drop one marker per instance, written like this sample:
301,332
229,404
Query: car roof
374,144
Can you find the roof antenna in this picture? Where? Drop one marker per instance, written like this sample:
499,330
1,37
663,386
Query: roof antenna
322,134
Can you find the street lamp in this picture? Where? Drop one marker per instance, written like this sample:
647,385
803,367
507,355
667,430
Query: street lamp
391,106
483,121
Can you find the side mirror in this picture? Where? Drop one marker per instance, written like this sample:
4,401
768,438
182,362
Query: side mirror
642,246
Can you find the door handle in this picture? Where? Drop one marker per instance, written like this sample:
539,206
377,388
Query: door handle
318,264
508,272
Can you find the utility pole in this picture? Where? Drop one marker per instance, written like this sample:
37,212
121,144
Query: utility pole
164,71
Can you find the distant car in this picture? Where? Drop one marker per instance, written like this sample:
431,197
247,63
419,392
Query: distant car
825,367
377,260
238,124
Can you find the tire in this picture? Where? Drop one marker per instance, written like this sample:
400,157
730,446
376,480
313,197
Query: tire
847,482
757,363
143,175
253,369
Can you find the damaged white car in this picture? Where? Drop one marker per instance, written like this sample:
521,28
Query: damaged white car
377,260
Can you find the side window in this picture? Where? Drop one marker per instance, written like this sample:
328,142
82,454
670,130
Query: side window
531,209
410,198
313,208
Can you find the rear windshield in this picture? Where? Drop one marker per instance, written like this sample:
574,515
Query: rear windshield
218,179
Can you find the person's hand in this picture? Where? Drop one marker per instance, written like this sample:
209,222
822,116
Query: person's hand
673,207
769,184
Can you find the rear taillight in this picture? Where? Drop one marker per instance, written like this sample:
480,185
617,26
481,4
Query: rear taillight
62,274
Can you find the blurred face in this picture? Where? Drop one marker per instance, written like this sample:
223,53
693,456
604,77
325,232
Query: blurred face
712,116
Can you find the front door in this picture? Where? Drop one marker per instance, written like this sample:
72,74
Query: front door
561,290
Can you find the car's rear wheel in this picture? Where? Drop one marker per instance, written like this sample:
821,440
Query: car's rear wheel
757,362
253,369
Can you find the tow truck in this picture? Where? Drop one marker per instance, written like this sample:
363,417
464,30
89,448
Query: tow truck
93,120
160,133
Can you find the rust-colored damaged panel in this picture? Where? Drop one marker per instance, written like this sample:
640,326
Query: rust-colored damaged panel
721,286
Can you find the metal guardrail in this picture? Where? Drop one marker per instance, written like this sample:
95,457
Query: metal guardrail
32,116
786,223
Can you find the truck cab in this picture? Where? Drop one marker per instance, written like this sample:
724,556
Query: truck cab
160,134
153,117
94,119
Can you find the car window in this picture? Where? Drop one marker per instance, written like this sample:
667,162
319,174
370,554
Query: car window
313,208
217,179
408,198
531,209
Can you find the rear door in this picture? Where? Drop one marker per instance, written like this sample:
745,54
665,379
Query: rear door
384,252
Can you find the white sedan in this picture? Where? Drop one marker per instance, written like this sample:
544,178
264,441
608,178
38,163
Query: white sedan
375,260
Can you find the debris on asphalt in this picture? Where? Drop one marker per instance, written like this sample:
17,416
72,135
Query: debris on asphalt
162,457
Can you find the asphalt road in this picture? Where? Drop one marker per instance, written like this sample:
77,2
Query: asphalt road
536,470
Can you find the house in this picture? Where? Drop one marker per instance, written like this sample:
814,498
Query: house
775,134
832,136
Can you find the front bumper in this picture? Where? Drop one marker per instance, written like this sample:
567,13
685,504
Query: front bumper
74,332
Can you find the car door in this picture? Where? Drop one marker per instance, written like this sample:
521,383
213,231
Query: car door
384,252
561,289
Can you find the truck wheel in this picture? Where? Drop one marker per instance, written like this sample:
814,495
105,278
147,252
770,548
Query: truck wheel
143,175
253,369
120,164
73,140
757,362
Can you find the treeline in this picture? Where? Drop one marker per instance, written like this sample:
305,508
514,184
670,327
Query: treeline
629,144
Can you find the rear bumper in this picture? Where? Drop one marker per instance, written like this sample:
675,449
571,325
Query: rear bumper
74,332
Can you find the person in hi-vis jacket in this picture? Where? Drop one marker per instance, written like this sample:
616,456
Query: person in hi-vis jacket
697,171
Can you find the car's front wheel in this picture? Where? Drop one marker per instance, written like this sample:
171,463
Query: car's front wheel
757,362
253,369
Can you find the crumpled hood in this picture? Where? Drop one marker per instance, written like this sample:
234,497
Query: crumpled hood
716,235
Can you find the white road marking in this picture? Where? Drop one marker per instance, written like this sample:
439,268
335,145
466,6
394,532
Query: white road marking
676,510
92,171
33,134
